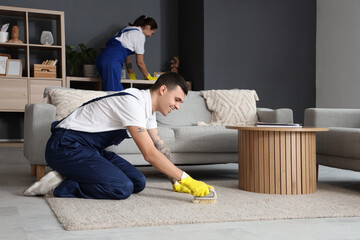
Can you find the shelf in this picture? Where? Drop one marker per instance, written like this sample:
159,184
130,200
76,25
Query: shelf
19,45
47,79
137,81
32,46
98,80
12,77
11,12
20,90
44,47
83,79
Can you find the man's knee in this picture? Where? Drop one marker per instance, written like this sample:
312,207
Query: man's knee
123,190
139,184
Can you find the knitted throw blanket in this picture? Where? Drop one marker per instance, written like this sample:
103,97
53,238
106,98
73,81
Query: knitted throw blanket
231,107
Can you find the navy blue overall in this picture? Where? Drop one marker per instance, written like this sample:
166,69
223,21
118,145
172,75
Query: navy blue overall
90,170
109,63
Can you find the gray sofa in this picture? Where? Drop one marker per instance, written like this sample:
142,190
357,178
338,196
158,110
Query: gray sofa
189,143
340,146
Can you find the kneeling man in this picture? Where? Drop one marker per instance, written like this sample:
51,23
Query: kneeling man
76,148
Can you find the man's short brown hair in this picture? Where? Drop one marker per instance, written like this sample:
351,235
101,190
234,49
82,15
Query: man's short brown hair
171,80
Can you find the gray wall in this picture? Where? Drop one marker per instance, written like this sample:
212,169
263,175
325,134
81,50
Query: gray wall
264,45
269,46
338,54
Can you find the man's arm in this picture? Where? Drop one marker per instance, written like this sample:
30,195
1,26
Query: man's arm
152,155
160,162
161,146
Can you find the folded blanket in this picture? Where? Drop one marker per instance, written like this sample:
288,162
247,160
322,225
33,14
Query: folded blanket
231,107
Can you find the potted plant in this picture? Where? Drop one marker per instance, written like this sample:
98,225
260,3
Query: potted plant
88,56
85,57
73,60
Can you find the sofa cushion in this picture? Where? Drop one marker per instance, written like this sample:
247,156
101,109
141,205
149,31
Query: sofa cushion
205,139
67,100
341,142
232,107
128,146
191,111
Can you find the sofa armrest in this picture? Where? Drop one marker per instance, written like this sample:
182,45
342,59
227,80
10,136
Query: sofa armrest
281,115
37,124
332,117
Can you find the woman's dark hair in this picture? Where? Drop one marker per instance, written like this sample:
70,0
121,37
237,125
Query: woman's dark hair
171,80
143,20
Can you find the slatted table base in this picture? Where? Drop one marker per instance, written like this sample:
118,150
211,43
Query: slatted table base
277,162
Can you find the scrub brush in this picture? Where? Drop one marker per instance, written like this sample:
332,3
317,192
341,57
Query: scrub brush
208,199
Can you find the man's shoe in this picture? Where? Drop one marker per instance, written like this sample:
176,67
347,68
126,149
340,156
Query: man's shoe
45,184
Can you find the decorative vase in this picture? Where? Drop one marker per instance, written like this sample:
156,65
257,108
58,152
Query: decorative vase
46,38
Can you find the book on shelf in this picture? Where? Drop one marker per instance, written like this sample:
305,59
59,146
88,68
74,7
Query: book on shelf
265,124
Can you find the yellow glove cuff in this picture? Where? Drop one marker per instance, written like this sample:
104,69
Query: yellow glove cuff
184,175
132,76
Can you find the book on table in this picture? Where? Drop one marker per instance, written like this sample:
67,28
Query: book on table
266,124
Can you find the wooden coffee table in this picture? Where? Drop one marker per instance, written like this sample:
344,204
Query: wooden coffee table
277,160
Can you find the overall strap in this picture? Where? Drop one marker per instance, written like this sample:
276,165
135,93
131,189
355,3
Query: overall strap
110,95
112,42
54,124
124,30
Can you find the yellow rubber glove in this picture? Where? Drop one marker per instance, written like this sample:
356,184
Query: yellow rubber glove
132,76
149,77
180,188
197,188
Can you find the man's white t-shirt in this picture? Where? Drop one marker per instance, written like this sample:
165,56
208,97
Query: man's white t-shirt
113,113
133,40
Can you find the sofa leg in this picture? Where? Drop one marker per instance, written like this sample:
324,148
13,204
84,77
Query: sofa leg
40,171
33,170
317,172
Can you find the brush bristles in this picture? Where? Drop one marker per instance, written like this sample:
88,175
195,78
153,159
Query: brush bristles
204,201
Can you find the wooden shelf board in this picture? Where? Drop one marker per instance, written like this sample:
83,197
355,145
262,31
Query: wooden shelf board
51,79
19,45
12,77
137,81
44,47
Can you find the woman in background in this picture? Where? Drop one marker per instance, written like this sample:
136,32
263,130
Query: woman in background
130,40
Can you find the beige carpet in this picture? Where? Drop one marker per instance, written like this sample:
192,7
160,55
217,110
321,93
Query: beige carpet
158,205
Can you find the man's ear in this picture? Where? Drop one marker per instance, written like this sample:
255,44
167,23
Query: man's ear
162,89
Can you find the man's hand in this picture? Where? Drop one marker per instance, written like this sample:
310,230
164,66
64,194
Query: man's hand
197,188
180,188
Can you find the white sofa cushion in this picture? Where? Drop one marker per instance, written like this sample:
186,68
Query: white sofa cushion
231,107
190,113
205,139
67,100
128,146
339,142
